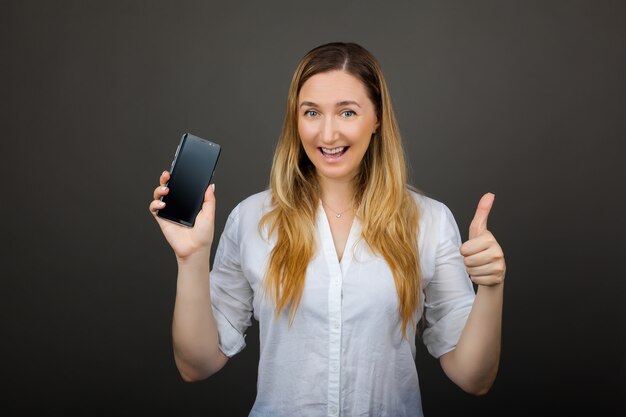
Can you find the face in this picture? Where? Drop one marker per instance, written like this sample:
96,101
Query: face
336,120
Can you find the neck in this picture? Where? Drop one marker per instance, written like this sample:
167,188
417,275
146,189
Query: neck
338,194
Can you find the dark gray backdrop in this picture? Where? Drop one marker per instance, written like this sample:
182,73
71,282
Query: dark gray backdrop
522,98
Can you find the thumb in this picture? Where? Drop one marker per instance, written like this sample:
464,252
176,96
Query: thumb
209,197
479,222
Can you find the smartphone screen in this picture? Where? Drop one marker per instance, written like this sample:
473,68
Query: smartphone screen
190,175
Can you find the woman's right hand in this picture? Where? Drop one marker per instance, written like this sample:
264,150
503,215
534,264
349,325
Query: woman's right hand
186,241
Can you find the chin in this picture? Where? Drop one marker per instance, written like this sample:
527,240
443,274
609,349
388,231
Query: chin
336,174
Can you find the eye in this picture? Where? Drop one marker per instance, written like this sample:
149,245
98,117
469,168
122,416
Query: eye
310,113
348,113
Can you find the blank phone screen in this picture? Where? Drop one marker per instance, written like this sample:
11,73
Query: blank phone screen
191,174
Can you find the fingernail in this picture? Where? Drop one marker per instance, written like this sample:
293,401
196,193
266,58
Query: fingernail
213,186
163,173
161,204
164,188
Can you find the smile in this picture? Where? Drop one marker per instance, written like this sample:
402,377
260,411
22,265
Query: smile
334,152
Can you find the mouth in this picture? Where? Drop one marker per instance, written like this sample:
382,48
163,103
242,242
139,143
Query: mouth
334,152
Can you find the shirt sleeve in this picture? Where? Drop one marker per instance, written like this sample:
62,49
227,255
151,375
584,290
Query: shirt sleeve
231,294
449,296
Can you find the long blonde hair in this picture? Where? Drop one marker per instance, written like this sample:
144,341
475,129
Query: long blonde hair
387,212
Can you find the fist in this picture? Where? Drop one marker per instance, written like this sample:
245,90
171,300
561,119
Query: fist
482,255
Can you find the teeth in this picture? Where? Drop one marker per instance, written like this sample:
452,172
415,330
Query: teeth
333,151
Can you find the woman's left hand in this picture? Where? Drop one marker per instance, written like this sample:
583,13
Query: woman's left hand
483,256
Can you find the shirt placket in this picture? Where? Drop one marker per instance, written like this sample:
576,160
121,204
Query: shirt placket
336,272
334,342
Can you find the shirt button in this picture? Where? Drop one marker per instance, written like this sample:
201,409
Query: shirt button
333,409
336,324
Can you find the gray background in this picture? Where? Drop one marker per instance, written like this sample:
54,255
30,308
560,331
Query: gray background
522,98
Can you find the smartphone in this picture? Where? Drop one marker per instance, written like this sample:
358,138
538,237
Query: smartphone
190,175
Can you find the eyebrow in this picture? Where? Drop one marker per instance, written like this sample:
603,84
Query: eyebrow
339,104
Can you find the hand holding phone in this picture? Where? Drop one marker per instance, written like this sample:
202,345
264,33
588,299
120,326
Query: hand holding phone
191,173
197,236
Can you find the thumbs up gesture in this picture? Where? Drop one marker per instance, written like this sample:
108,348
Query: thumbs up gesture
483,256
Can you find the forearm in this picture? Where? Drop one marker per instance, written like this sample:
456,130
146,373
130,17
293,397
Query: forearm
194,330
473,364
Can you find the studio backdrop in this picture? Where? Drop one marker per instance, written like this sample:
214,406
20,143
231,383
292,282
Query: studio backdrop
525,99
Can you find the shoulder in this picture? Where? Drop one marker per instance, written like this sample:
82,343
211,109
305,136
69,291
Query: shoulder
436,220
258,203
244,218
248,212
430,209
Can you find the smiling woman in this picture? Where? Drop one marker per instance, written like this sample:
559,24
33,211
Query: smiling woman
336,121
338,261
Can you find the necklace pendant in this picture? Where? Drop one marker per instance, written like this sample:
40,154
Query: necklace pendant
338,215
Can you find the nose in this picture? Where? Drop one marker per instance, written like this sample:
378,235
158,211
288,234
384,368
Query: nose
329,130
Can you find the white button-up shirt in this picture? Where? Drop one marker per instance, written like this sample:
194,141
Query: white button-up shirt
344,354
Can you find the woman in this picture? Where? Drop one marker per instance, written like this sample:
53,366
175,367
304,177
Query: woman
338,261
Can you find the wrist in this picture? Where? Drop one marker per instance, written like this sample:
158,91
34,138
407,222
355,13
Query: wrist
194,260
492,288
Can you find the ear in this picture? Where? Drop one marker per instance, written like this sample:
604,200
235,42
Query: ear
376,126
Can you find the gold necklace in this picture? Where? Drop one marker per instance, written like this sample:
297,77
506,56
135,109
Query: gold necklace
337,214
